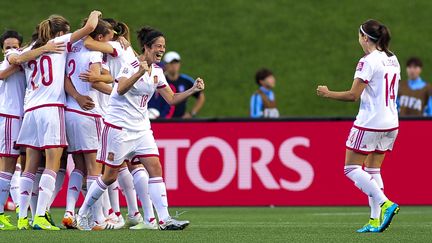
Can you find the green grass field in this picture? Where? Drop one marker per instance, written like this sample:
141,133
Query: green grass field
256,224
305,42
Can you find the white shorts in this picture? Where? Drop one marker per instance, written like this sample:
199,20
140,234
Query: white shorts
43,128
118,145
9,130
366,141
83,131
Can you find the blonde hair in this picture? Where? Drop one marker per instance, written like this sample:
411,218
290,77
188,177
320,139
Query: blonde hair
49,28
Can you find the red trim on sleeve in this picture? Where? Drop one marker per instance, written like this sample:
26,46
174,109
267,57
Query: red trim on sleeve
161,87
115,53
69,47
366,81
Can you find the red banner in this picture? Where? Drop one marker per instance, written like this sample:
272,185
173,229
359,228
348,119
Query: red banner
282,163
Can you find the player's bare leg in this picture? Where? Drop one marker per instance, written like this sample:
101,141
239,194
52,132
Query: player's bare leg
33,158
158,195
141,180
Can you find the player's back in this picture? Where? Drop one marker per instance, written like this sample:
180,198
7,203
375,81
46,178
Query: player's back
79,60
378,108
120,58
45,78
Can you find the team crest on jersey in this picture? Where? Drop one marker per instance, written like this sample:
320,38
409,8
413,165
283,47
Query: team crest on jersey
125,70
111,156
155,79
360,66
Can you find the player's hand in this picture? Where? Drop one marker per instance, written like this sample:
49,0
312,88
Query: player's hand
144,67
54,47
199,85
96,12
123,42
322,91
85,102
89,76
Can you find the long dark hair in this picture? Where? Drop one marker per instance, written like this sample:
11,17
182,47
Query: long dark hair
147,36
120,28
102,28
49,28
378,34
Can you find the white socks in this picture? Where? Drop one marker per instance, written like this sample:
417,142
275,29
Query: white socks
141,180
5,179
35,191
14,189
74,189
158,196
375,207
25,187
113,191
46,189
125,181
58,186
94,192
365,183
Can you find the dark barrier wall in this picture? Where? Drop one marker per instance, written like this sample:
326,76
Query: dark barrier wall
282,162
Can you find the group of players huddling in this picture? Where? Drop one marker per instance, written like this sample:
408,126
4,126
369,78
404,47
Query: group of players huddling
84,93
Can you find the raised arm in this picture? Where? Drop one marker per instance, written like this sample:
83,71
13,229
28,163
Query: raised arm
99,86
4,74
174,98
351,95
89,27
125,84
49,47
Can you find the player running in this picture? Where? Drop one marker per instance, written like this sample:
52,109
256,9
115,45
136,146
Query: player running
375,129
43,126
84,123
127,133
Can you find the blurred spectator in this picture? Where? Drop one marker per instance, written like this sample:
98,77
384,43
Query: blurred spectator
414,97
263,102
178,82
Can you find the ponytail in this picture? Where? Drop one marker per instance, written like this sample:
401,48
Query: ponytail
120,29
49,28
378,34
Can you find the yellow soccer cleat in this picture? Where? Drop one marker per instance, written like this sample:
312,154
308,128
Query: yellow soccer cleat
23,224
5,223
41,223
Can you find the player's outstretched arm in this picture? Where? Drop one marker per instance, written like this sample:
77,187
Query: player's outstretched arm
49,47
174,98
92,76
125,84
351,95
89,27
4,74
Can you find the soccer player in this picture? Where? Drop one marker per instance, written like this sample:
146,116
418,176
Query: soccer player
43,126
83,124
127,133
376,82
117,56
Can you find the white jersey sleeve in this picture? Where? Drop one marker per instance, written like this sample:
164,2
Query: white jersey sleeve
364,70
160,77
95,57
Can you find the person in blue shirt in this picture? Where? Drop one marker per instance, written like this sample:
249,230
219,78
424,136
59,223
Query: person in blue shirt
263,102
415,94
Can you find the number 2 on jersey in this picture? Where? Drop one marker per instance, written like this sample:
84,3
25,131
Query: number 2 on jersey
390,88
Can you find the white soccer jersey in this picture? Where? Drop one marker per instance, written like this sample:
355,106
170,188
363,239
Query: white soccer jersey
129,111
378,109
79,60
12,91
45,78
120,58
103,99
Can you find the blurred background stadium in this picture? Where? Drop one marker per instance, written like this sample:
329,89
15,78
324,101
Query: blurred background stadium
304,42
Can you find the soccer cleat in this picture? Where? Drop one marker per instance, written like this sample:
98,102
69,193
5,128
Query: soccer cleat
23,224
5,223
69,221
134,220
173,224
152,225
371,226
49,218
82,222
42,223
107,225
118,221
388,210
